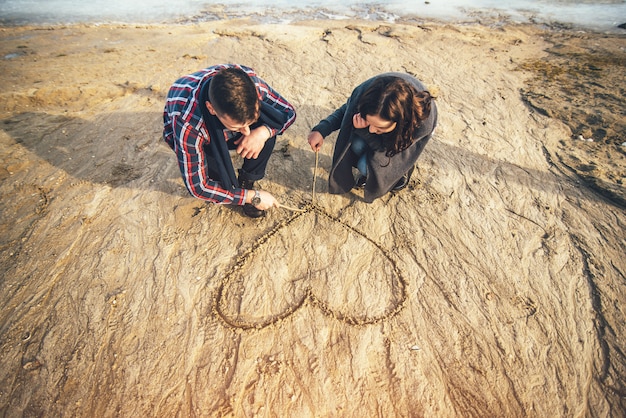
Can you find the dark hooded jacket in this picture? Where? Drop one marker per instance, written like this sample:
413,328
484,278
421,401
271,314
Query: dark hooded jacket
383,172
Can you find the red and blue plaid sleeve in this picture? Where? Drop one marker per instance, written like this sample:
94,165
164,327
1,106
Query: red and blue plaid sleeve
274,99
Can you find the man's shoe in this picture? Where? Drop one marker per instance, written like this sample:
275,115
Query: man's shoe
252,212
248,209
404,181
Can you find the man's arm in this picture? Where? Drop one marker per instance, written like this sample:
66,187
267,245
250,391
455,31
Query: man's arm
332,122
192,163
278,102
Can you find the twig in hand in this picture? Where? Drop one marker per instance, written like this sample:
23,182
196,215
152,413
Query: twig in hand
290,208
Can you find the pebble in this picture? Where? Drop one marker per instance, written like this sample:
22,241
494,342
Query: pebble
31,365
582,138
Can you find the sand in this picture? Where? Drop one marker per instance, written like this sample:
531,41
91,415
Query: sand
492,286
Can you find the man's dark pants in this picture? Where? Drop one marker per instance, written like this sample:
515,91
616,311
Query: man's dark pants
252,169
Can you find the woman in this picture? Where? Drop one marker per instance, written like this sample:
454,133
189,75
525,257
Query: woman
383,128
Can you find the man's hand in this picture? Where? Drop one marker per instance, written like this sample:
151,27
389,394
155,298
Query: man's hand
316,140
267,200
250,146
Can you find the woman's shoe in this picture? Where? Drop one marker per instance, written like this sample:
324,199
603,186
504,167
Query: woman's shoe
360,183
404,181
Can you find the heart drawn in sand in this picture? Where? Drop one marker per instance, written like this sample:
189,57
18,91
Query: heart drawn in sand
328,264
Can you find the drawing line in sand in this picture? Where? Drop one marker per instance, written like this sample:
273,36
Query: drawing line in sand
233,277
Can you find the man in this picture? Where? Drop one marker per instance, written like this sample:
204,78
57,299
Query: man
221,108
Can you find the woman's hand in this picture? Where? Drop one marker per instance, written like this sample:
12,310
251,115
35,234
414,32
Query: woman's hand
316,140
358,122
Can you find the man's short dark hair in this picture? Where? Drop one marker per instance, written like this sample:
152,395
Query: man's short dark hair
232,92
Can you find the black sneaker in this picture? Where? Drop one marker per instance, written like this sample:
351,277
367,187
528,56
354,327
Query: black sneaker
404,181
252,211
360,182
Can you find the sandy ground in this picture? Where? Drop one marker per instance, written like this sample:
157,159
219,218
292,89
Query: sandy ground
492,286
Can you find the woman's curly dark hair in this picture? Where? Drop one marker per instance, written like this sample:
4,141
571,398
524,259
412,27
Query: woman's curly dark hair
395,99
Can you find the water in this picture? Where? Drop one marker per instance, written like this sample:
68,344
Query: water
602,15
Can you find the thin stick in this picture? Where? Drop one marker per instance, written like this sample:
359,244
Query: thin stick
280,205
317,159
